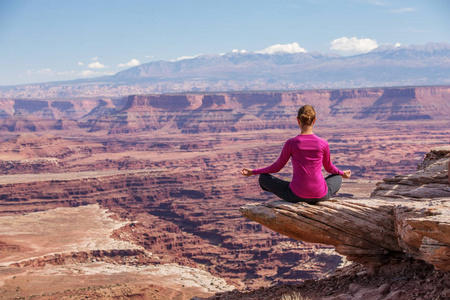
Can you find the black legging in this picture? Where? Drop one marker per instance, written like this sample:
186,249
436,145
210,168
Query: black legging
281,188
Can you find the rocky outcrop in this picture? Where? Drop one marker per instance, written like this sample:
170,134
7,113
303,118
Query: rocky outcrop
405,216
429,182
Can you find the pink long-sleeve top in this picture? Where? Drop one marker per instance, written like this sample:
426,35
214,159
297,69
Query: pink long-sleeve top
309,152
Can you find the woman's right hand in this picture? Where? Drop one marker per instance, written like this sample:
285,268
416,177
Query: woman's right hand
347,174
246,172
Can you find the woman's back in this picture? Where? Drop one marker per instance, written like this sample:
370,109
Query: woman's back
308,153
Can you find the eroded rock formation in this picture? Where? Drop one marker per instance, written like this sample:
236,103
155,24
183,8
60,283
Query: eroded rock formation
405,216
222,112
237,111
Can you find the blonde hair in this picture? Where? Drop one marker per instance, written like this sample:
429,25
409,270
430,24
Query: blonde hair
306,114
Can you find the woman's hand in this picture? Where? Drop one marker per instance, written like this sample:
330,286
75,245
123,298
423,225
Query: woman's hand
246,172
347,174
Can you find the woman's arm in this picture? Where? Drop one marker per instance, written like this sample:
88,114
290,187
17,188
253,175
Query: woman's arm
332,169
327,164
276,166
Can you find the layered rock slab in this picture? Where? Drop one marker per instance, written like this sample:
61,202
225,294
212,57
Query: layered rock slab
372,230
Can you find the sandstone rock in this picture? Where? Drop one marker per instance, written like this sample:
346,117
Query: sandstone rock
430,181
396,295
399,219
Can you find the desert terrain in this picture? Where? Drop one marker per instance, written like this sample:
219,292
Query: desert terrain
140,196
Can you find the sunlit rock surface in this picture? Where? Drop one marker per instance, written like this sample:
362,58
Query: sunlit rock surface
74,252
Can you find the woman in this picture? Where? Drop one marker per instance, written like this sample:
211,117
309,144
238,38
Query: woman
309,153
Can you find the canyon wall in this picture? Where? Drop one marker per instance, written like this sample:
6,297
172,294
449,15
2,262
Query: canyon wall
220,112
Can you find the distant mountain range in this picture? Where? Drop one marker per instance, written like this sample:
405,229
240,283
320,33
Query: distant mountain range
381,64
236,71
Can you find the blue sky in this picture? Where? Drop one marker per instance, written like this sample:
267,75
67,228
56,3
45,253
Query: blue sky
52,40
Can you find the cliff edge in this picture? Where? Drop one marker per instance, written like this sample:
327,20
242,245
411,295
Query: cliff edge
406,216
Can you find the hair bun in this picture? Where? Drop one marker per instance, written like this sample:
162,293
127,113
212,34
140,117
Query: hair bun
306,114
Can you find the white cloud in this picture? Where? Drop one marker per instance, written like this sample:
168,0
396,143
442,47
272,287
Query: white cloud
387,47
149,56
46,71
353,44
185,57
96,65
94,58
80,63
288,48
403,10
86,73
49,72
132,63
239,51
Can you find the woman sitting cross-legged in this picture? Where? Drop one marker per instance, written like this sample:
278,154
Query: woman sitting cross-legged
308,152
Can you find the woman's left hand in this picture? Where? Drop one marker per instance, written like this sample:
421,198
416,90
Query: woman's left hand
347,174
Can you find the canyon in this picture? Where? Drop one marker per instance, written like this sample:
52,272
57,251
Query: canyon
164,169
